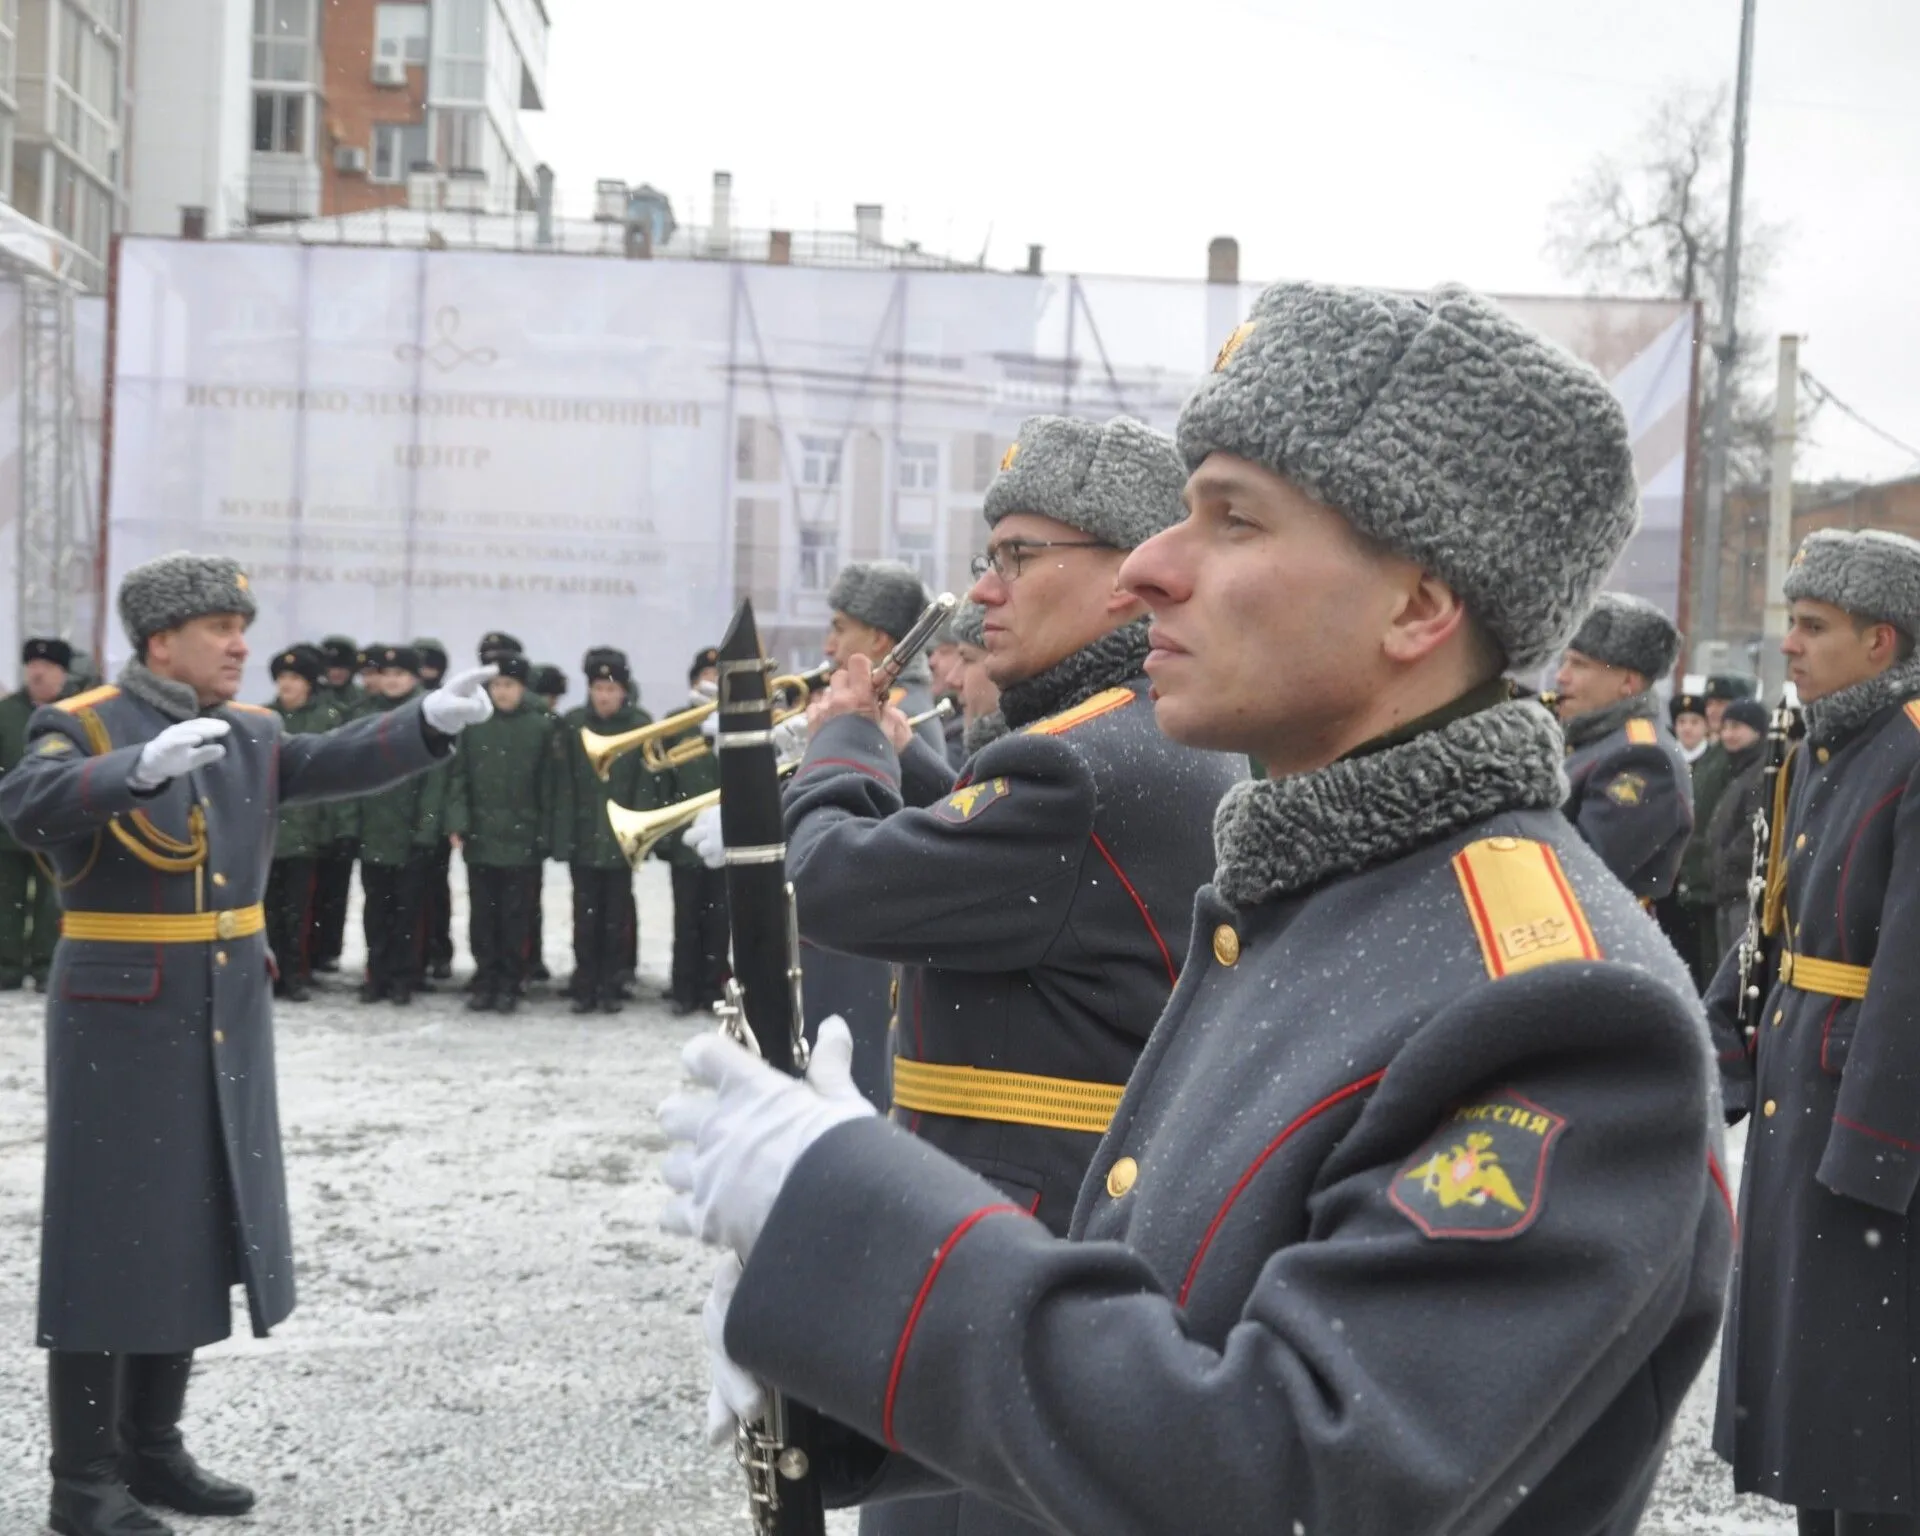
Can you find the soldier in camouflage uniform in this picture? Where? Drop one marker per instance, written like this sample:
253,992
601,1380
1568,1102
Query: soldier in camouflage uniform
502,801
1820,1367
333,868
155,801
1410,1218
397,829
602,878
29,905
1631,796
304,828
439,897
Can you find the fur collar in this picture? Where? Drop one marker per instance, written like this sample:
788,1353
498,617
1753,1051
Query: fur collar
1843,713
174,700
1116,658
1274,837
987,728
1596,723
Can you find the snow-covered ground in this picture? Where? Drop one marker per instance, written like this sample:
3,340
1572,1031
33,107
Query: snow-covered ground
494,1338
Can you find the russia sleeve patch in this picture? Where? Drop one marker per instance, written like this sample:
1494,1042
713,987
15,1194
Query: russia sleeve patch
1627,789
965,804
1483,1174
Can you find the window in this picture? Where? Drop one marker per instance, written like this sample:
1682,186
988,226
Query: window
460,50
460,139
918,467
400,32
819,461
397,149
819,557
283,40
280,122
914,547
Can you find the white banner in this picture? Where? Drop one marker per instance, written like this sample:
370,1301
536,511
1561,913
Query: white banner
589,451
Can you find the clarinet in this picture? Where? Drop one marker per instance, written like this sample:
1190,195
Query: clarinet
1782,730
762,1011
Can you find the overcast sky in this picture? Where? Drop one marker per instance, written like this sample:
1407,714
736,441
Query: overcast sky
1402,142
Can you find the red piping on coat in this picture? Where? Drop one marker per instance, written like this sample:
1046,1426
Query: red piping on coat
919,1303
1220,1216
858,767
1867,1130
1173,976
1719,1177
1840,912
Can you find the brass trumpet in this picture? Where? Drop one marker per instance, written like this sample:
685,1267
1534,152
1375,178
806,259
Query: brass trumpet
652,741
638,831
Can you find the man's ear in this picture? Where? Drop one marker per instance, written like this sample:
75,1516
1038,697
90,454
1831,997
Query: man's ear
1429,613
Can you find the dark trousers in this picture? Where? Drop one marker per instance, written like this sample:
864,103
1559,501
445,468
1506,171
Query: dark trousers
29,919
1825,1522
101,1404
630,939
1693,933
600,901
333,880
395,903
438,906
290,917
699,933
500,926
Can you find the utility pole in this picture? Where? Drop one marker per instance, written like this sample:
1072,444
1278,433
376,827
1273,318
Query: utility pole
1725,346
1773,666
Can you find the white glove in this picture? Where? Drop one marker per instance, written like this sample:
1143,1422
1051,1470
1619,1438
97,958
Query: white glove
703,837
735,1398
731,1149
462,700
179,749
790,739
710,726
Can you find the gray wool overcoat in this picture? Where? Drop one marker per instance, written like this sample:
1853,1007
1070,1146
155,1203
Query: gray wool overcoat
164,1182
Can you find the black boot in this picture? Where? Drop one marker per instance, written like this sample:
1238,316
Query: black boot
156,1464
89,1498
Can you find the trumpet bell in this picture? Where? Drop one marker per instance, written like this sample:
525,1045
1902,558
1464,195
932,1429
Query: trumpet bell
638,831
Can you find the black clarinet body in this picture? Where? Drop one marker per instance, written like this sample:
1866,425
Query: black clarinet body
763,1010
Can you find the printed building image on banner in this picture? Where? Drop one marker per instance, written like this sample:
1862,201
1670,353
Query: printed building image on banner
586,451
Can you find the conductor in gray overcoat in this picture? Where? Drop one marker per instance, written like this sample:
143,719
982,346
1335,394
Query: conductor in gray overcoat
154,801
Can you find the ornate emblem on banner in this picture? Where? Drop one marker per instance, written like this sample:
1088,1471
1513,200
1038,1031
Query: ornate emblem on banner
445,351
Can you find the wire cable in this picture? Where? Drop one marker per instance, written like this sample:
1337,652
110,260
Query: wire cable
1824,396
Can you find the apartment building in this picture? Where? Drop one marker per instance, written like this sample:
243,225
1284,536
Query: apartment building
63,76
353,97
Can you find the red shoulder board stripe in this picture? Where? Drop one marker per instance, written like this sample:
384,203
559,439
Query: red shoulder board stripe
1913,712
1523,911
1100,704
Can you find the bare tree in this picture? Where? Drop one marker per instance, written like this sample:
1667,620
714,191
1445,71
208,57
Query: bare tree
1654,222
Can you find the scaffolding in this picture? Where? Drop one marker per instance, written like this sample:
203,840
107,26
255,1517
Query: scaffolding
58,553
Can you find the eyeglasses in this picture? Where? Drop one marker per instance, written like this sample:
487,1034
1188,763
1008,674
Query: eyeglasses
1008,560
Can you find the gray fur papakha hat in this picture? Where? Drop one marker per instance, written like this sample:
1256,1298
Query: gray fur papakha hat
968,625
1119,483
165,593
1626,631
883,593
1443,429
1872,574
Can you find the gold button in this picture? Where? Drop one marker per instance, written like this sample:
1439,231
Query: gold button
1768,1108
224,925
1503,844
1226,945
1121,1175
1823,754
219,879
1800,841
219,1037
219,957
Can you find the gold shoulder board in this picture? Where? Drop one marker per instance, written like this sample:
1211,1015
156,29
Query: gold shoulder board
252,709
87,700
1523,911
1100,704
1642,733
